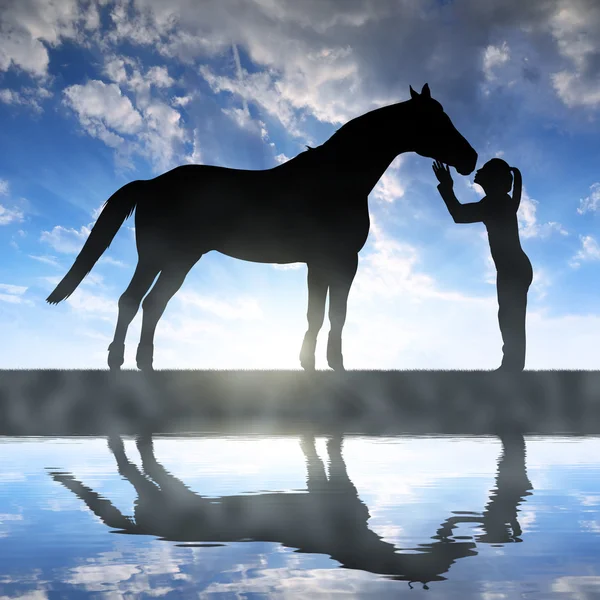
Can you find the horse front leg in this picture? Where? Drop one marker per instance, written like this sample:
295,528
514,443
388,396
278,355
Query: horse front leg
342,276
316,478
317,293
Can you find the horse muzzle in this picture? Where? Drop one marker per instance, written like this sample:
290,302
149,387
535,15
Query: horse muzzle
466,167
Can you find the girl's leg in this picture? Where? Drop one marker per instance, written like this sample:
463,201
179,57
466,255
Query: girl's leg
512,302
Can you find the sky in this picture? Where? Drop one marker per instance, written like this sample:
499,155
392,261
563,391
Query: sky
98,93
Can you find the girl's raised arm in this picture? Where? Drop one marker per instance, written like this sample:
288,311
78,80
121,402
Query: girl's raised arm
473,212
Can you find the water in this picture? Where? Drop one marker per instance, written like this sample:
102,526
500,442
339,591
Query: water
231,516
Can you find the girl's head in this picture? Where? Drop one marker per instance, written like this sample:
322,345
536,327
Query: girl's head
495,176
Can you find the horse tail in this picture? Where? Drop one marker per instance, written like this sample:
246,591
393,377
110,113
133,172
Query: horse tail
115,211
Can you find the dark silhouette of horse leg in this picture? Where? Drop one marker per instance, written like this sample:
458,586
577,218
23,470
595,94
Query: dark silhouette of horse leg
351,511
101,507
104,508
338,475
339,287
317,294
128,470
316,478
172,487
169,281
129,303
512,486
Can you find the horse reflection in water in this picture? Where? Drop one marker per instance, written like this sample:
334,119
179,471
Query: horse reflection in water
330,519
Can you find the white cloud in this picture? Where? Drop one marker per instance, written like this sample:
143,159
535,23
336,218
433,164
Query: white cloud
164,131
89,304
126,72
590,203
259,87
493,57
10,215
66,240
181,100
48,260
103,105
157,129
27,96
18,48
13,214
572,24
577,587
241,308
12,289
159,76
388,268
541,282
13,294
575,91
589,251
281,158
112,261
27,29
389,188
93,578
195,157
528,223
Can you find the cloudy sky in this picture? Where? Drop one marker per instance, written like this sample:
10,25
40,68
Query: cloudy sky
97,93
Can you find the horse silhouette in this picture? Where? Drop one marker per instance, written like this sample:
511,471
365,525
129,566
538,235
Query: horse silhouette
312,209
330,519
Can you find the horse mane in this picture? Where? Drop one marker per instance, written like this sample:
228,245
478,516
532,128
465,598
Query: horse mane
359,130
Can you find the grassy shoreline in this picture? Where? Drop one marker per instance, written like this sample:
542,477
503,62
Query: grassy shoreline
98,402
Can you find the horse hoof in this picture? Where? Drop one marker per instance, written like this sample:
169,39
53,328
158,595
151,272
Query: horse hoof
308,365
145,367
336,365
144,358
115,357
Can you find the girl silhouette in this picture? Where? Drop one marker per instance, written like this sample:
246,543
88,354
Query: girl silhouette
498,212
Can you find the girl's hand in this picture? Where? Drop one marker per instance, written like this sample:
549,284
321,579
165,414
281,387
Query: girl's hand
442,172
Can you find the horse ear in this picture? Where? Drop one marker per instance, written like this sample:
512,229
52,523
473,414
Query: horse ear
413,94
426,92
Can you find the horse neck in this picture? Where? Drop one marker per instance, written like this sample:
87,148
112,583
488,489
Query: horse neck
366,146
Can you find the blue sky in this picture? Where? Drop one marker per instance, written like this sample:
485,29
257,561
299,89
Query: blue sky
95,94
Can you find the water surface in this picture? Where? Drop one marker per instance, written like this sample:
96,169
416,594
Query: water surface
289,516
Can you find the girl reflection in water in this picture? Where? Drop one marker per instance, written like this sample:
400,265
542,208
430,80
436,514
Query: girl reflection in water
498,212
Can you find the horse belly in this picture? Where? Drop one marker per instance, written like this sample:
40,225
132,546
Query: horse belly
263,247
289,240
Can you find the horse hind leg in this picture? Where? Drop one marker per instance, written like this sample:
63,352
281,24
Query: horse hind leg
129,303
317,294
170,280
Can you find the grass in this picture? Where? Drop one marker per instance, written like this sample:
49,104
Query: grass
98,402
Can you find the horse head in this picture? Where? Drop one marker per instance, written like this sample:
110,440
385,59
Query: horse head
435,135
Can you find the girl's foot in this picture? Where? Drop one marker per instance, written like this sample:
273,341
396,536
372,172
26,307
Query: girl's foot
507,369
